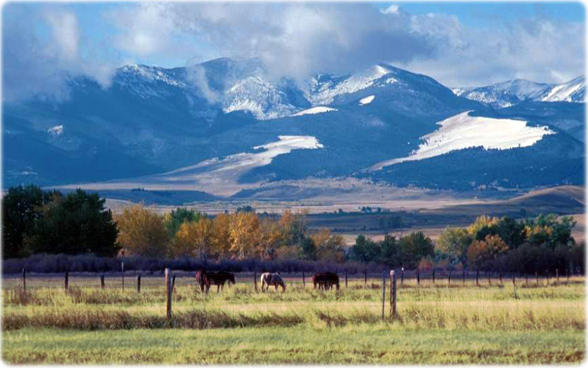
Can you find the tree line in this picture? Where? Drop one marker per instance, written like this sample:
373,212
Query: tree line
540,244
36,221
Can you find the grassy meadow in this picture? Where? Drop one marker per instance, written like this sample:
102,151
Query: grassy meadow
532,323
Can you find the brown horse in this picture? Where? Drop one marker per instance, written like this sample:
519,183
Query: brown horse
272,279
325,280
205,279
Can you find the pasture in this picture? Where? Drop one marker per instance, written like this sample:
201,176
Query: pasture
532,322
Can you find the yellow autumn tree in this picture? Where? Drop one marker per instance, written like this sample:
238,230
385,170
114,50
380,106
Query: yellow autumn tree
245,235
221,235
193,239
329,247
142,232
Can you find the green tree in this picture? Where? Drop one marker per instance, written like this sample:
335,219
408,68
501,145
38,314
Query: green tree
390,253
21,206
415,246
365,250
174,219
511,231
308,249
455,242
75,224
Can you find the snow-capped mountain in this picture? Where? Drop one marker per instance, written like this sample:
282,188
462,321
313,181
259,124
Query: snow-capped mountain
153,120
510,93
572,91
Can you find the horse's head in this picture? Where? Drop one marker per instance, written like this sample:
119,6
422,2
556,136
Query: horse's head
232,279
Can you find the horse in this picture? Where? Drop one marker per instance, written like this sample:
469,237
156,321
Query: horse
205,279
325,280
268,279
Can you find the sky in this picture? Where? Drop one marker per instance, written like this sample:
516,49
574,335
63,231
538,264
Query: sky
459,44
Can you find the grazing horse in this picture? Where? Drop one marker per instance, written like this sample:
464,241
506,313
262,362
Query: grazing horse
205,279
268,279
325,280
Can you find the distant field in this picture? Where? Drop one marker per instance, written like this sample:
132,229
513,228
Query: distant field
534,323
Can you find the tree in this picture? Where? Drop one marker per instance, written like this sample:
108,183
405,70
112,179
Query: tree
75,224
455,242
221,235
175,218
329,247
483,226
414,247
193,239
390,253
142,232
365,250
21,206
511,231
482,252
308,249
245,236
549,231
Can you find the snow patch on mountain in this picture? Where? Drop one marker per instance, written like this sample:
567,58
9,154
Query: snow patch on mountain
56,130
216,176
572,91
464,131
513,92
258,96
314,111
366,100
323,93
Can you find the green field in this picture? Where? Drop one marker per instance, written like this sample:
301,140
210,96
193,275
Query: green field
530,323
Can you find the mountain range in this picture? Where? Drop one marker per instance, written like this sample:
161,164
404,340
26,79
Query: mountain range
507,94
228,128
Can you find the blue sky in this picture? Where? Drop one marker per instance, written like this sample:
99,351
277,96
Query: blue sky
459,44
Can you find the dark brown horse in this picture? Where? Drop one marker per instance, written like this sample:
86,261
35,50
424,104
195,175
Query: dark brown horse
325,280
206,278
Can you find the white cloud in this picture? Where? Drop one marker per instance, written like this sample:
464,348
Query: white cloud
291,39
37,64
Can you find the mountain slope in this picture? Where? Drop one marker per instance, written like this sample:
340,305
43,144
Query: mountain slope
184,126
510,93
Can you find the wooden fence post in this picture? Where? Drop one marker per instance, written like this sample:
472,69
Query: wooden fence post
418,277
345,279
449,278
500,275
255,280
122,267
490,278
139,283
392,294
514,279
365,277
402,276
303,279
383,294
464,275
433,276
66,280
24,280
102,281
168,294
174,281
477,277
